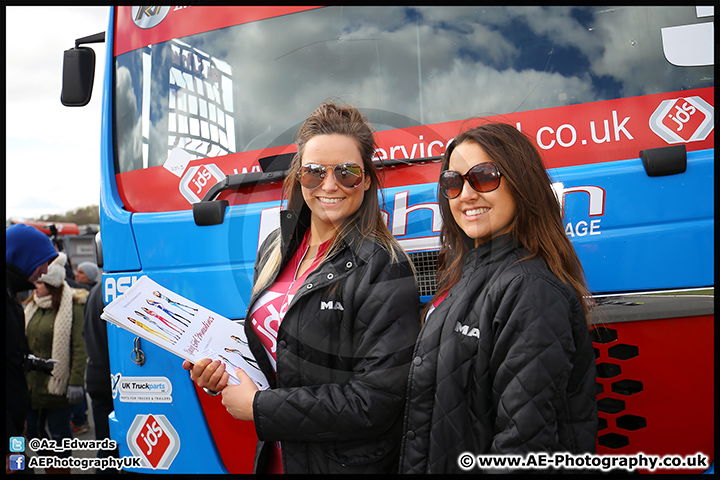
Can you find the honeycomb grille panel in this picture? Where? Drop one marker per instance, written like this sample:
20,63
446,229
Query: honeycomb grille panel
615,424
426,266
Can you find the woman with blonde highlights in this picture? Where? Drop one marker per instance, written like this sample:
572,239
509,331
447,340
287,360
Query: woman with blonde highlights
504,363
333,316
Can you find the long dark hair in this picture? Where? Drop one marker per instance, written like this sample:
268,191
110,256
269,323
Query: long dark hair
56,294
537,225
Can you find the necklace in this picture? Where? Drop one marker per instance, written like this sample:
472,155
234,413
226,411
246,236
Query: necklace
312,260
303,260
308,260
316,256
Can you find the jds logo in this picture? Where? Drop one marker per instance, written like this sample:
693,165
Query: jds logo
683,120
198,180
154,439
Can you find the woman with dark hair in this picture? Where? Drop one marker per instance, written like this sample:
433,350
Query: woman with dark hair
333,316
504,362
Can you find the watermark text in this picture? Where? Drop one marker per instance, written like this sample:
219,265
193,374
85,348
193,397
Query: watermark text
541,461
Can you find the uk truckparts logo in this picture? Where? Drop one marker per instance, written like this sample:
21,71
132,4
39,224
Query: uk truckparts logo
154,440
683,120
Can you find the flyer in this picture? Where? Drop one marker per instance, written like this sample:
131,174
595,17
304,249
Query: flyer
180,326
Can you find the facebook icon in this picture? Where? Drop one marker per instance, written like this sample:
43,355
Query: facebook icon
17,462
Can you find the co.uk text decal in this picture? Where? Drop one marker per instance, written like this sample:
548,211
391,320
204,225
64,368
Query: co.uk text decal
580,134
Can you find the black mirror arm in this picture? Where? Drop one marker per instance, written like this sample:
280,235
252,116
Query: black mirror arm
97,38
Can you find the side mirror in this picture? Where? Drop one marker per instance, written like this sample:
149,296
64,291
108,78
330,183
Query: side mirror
79,72
78,76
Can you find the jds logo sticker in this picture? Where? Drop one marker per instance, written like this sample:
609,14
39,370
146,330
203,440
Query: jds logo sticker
153,438
198,180
683,120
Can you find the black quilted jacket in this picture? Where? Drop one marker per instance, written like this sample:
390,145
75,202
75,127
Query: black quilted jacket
343,356
504,365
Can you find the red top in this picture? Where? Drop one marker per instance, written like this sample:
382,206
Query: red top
435,304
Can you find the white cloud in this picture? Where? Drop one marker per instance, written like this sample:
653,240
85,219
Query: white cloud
51,151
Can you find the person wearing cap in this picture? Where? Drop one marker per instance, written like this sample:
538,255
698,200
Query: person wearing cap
54,322
88,272
28,252
87,275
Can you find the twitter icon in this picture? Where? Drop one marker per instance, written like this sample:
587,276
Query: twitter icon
17,444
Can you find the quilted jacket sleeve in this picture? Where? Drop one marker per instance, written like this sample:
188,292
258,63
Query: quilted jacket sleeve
532,361
384,329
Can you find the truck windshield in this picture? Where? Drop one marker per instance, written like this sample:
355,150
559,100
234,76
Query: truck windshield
249,87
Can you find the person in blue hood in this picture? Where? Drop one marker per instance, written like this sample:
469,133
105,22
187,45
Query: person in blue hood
28,252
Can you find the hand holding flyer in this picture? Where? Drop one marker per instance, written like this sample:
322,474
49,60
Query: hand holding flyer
184,328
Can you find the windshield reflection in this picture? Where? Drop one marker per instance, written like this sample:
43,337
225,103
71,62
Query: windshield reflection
249,87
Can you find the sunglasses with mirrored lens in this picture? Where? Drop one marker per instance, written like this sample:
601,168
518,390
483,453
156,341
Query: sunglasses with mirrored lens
349,175
483,178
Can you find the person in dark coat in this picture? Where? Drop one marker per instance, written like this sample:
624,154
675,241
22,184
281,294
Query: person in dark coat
28,252
333,315
87,277
504,363
97,374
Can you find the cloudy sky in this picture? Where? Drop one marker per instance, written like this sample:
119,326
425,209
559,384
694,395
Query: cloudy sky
51,150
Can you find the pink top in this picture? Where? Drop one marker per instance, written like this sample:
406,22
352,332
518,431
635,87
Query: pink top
269,311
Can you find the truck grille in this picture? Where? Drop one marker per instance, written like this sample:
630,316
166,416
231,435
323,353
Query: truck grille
425,265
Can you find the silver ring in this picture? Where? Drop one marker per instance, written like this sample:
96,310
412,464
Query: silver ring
212,393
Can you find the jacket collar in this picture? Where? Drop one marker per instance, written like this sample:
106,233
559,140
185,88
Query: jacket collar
495,249
294,224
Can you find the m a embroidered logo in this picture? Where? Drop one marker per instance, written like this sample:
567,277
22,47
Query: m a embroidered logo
467,331
331,306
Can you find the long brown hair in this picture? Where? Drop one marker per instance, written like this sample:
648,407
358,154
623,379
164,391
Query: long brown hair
56,294
338,119
328,119
537,225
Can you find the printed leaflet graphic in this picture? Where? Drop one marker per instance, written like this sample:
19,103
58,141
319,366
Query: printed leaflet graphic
184,328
